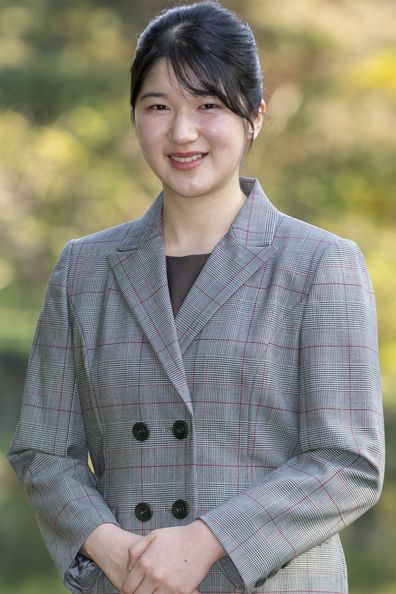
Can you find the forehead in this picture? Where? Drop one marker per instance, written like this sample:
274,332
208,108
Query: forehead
161,75
161,71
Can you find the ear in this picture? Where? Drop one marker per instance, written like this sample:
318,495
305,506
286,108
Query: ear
258,120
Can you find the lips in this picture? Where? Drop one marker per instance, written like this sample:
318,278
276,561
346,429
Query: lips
187,157
186,161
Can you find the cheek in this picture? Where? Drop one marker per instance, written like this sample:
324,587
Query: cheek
227,134
149,139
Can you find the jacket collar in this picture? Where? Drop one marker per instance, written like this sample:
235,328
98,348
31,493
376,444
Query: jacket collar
253,226
139,265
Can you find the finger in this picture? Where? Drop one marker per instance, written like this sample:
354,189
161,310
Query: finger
131,585
137,549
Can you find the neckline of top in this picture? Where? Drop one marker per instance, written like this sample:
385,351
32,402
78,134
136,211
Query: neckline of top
188,256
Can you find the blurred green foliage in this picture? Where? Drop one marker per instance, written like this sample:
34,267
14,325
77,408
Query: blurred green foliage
70,165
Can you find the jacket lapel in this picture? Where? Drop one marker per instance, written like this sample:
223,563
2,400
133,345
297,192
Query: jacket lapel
243,249
140,268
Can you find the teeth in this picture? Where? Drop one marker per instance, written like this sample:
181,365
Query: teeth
187,159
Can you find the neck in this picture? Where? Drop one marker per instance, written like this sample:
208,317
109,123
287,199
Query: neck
195,225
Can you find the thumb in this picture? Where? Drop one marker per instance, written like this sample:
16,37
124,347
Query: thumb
137,549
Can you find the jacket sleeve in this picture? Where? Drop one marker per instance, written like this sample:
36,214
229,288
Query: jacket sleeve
49,451
338,472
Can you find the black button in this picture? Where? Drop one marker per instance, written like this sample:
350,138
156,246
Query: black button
140,431
273,572
143,512
180,509
180,429
260,582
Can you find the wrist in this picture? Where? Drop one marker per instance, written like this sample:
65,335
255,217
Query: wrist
213,545
108,547
96,542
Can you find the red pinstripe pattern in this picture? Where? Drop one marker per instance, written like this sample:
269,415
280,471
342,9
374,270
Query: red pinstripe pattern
271,360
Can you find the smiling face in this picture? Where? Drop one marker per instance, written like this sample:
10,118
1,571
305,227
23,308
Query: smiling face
194,144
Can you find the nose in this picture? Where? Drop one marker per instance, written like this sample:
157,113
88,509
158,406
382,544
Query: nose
183,129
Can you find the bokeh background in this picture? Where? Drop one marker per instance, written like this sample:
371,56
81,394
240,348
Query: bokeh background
70,165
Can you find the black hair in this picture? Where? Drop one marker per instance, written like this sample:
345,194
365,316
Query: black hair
208,43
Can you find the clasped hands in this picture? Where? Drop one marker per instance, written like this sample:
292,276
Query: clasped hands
170,560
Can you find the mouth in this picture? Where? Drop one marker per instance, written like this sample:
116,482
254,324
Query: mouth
186,161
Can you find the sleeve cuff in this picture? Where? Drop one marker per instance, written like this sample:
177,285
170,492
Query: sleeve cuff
225,563
81,575
230,571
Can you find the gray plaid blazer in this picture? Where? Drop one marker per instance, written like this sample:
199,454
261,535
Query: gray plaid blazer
256,409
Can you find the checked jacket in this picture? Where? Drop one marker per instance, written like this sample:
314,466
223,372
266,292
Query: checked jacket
272,365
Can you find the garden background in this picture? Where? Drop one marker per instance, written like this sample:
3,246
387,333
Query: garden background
70,165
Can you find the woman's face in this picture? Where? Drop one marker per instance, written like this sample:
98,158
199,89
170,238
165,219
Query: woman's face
193,144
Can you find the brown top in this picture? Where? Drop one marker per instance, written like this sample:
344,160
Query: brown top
182,272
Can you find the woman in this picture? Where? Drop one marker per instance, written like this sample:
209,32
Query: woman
216,358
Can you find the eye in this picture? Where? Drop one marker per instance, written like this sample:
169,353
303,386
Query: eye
209,106
158,107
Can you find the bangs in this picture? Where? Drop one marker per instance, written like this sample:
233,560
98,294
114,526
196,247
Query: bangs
203,74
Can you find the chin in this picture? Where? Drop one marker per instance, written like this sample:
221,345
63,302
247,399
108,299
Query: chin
189,190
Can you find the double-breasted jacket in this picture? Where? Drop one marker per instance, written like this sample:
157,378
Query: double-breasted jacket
257,408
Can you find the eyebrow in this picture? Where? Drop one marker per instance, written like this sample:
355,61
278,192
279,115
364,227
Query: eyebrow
152,94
